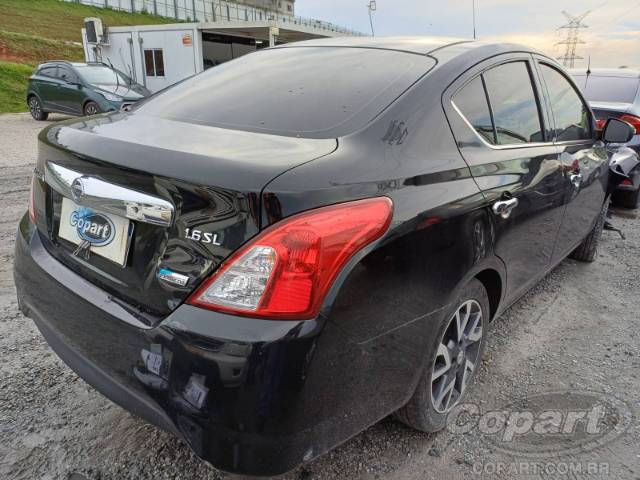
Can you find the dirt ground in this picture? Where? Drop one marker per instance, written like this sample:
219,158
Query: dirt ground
576,331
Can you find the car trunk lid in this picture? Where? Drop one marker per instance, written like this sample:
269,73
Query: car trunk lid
178,197
604,110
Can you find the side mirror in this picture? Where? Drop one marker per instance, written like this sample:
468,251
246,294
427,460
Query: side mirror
617,131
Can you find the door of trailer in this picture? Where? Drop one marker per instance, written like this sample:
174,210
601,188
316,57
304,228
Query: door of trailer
167,56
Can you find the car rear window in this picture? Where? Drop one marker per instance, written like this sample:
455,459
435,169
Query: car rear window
608,89
316,92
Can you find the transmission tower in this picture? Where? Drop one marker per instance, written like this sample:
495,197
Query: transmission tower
573,26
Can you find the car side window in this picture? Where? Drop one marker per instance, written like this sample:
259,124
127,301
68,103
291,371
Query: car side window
66,74
513,102
472,103
48,71
570,113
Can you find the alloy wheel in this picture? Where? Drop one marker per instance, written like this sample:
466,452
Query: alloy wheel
457,356
91,109
34,107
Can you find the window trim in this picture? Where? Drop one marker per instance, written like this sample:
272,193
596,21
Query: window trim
592,131
534,85
486,97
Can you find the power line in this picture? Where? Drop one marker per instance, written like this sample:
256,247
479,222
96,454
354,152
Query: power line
572,40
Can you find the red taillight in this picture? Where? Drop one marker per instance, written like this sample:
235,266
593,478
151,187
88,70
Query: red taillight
32,208
626,182
286,271
633,120
600,123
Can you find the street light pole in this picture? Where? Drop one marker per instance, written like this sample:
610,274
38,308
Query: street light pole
474,18
372,8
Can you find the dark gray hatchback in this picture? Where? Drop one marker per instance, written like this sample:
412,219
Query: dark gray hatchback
80,89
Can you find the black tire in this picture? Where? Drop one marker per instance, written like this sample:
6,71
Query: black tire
91,108
35,108
421,412
587,251
626,198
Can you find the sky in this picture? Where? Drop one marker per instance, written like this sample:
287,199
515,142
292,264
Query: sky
612,39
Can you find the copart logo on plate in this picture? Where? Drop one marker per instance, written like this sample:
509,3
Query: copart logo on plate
92,227
547,424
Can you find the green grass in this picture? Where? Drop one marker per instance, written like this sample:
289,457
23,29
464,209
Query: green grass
34,31
63,20
33,49
13,85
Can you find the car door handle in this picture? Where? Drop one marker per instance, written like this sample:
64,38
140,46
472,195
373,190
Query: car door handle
576,179
503,208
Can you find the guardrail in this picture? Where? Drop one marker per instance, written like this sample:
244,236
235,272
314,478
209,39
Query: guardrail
214,11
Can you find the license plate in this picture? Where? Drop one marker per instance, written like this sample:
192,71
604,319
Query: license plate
100,233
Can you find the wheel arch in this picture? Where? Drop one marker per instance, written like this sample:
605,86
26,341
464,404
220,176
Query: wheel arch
30,94
87,100
492,282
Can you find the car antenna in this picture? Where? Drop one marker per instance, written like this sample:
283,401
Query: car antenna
586,80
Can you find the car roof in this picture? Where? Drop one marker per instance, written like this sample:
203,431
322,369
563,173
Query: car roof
66,62
419,45
443,49
607,72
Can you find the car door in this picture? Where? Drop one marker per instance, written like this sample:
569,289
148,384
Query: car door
70,93
585,160
499,120
47,82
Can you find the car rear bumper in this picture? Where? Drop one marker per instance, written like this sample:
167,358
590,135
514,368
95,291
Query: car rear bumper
237,397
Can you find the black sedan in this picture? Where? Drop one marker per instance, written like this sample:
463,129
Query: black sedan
269,257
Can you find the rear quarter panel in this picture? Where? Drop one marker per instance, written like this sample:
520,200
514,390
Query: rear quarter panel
382,311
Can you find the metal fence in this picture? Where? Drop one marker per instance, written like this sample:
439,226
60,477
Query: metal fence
213,11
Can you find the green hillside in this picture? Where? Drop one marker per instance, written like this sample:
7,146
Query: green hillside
13,78
33,31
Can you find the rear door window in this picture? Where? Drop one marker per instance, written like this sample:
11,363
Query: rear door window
472,103
48,71
570,113
513,103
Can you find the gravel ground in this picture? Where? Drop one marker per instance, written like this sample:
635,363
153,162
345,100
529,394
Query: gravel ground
576,330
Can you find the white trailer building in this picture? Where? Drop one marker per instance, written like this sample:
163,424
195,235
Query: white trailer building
160,55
